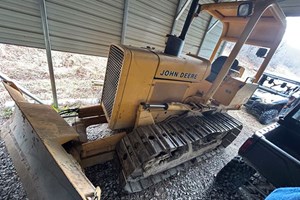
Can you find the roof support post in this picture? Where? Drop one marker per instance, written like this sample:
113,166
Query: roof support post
125,19
208,29
48,49
213,26
269,56
204,37
176,17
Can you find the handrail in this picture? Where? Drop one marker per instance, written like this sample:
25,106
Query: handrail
21,88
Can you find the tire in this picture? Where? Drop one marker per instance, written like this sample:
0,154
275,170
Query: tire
268,116
234,174
255,109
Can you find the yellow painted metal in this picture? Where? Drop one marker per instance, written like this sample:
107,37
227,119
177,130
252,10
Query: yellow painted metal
271,21
38,133
150,77
103,145
144,117
184,68
241,70
233,93
155,115
154,77
242,95
174,109
165,91
100,150
139,67
265,27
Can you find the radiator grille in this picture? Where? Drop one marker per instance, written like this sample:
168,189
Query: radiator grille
112,76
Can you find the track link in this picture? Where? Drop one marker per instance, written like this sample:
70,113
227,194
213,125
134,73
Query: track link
142,184
153,153
257,187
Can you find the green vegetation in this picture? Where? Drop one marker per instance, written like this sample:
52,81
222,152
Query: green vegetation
6,113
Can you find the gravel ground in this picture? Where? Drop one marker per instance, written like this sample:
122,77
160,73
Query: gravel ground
196,182
10,186
98,131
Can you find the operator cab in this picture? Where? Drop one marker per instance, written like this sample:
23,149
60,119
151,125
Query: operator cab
217,66
263,25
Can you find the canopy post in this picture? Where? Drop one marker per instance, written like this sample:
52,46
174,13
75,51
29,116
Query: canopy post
48,50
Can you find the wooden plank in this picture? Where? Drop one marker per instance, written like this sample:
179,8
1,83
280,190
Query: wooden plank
96,110
97,159
93,120
102,145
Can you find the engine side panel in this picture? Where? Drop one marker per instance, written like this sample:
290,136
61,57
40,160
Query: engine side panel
132,77
185,68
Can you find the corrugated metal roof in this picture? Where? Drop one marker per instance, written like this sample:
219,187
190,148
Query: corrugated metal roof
196,32
211,40
290,7
149,22
89,26
20,23
84,26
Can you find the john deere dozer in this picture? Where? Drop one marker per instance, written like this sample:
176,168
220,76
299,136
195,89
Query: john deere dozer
164,109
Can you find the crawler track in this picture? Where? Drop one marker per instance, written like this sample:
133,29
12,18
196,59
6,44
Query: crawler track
257,187
153,153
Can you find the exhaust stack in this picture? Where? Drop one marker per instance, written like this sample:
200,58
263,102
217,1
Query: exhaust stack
175,44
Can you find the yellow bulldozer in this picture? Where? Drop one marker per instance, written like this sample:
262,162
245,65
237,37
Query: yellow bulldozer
164,109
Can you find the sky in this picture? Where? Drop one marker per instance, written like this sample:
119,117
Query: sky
292,33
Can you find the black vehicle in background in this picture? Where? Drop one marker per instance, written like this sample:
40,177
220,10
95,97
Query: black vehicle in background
267,160
274,98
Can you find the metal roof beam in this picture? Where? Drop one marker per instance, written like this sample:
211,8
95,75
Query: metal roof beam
48,49
175,18
212,26
182,9
125,19
205,34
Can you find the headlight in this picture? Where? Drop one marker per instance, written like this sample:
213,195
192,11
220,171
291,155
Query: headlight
245,9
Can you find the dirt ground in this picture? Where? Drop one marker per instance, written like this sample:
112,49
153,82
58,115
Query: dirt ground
74,75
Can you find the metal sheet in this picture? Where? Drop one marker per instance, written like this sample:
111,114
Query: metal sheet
196,31
86,27
20,23
211,40
149,22
290,7
89,26
35,140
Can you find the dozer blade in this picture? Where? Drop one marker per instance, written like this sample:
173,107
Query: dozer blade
34,140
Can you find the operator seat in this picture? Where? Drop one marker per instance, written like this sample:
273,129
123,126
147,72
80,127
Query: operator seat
217,66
